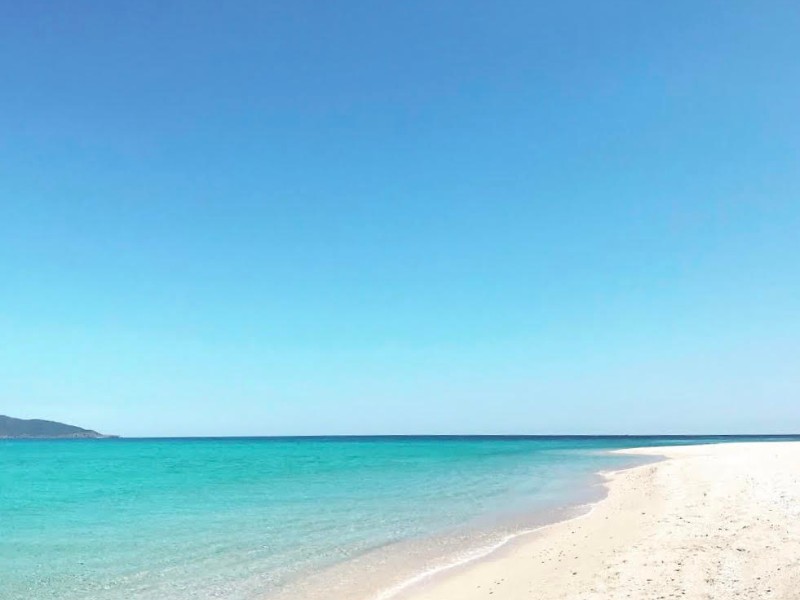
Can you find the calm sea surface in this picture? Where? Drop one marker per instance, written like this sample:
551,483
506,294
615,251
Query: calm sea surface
179,519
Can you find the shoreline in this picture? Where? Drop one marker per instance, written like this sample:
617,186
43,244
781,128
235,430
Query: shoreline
415,562
393,570
408,588
638,504
403,589
355,579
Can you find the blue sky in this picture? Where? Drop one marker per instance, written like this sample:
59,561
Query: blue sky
410,217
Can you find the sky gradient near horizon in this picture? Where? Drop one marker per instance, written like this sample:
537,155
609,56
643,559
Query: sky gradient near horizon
250,218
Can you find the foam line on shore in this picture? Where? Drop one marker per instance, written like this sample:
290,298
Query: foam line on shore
475,555
487,551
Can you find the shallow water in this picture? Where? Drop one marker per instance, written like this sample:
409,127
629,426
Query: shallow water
246,518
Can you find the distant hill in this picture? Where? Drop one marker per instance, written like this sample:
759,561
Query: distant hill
37,428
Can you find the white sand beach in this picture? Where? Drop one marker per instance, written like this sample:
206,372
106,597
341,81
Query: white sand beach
710,522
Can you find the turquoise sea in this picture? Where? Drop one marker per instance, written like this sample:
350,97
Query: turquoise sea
246,518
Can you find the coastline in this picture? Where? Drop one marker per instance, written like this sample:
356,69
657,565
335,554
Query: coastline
497,519
409,588
706,519
398,569
389,571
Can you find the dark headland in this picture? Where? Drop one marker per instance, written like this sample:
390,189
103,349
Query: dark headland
38,428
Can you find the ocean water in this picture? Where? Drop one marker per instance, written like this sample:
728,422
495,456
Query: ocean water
253,518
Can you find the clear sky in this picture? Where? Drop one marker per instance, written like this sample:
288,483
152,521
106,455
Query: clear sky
401,217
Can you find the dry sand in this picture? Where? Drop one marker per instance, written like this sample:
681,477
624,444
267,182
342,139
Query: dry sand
711,522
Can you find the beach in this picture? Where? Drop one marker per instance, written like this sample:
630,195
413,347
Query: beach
708,521
243,518
521,517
